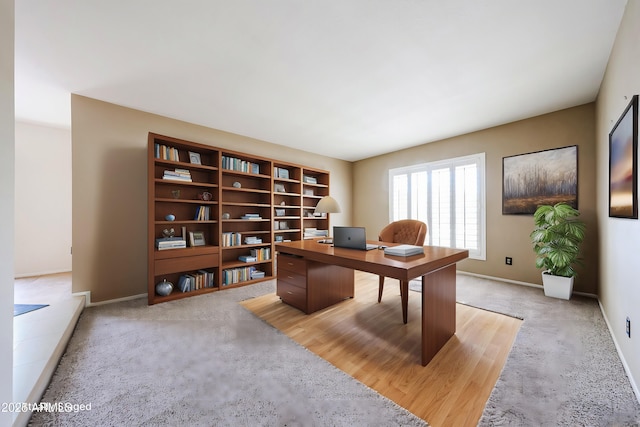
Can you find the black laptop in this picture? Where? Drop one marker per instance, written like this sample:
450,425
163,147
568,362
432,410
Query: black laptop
351,238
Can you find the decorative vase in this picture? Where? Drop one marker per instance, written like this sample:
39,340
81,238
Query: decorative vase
206,196
557,286
164,288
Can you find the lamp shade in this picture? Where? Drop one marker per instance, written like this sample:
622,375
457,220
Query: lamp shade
327,205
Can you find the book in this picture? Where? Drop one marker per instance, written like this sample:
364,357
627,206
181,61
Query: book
203,213
170,243
184,283
251,217
177,175
261,254
404,250
257,274
247,258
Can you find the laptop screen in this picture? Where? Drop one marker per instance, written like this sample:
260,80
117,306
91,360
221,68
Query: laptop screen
351,238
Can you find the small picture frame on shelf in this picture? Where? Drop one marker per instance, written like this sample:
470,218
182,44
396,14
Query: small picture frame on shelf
279,238
310,179
279,188
196,238
280,212
284,225
194,158
309,192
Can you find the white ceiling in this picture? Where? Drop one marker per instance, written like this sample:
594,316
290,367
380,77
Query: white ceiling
344,78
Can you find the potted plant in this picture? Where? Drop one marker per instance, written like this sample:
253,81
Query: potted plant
556,241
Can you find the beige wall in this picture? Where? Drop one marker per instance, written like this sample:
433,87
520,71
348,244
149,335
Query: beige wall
43,178
109,144
507,235
620,238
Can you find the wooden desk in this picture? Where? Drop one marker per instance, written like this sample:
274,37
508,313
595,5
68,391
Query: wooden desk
437,267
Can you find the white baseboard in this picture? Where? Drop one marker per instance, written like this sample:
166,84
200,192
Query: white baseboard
516,282
88,303
500,279
40,273
634,385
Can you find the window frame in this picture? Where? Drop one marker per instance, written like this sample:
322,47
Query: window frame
479,159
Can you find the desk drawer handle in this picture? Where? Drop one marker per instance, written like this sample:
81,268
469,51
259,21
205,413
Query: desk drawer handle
290,263
290,293
289,277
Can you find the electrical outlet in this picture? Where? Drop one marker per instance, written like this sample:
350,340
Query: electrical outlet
508,260
628,327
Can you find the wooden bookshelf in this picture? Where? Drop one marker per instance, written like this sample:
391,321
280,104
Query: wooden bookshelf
239,203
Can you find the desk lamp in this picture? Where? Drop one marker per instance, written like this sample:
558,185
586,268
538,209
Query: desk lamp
327,205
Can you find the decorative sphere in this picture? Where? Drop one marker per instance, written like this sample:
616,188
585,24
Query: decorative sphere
170,217
237,184
164,288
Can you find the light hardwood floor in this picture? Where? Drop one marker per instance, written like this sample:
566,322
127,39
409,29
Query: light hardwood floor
368,341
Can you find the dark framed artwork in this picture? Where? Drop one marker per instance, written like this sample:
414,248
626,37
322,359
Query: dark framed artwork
539,178
623,164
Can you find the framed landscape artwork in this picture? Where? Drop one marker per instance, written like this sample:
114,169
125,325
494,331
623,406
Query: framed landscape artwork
540,178
623,167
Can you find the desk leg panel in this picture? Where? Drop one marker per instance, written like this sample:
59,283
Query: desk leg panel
438,310
327,285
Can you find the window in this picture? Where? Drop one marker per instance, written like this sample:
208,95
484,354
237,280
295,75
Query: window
449,196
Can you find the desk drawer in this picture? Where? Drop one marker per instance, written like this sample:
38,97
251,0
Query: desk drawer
292,264
292,295
179,264
295,279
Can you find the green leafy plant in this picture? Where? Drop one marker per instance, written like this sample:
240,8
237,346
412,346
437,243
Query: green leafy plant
556,238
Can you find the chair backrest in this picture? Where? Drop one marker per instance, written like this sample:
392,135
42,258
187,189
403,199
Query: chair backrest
407,231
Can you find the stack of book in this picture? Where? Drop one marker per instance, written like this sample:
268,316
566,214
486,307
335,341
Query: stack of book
404,250
203,213
253,216
233,163
231,239
164,243
240,274
177,175
166,153
252,240
261,254
247,258
280,173
310,233
280,225
194,281
257,274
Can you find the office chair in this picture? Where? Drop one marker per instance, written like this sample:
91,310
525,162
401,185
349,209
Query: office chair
409,232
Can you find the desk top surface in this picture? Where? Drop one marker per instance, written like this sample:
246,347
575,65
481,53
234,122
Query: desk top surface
375,261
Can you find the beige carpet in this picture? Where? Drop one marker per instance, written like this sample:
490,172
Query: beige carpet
202,361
